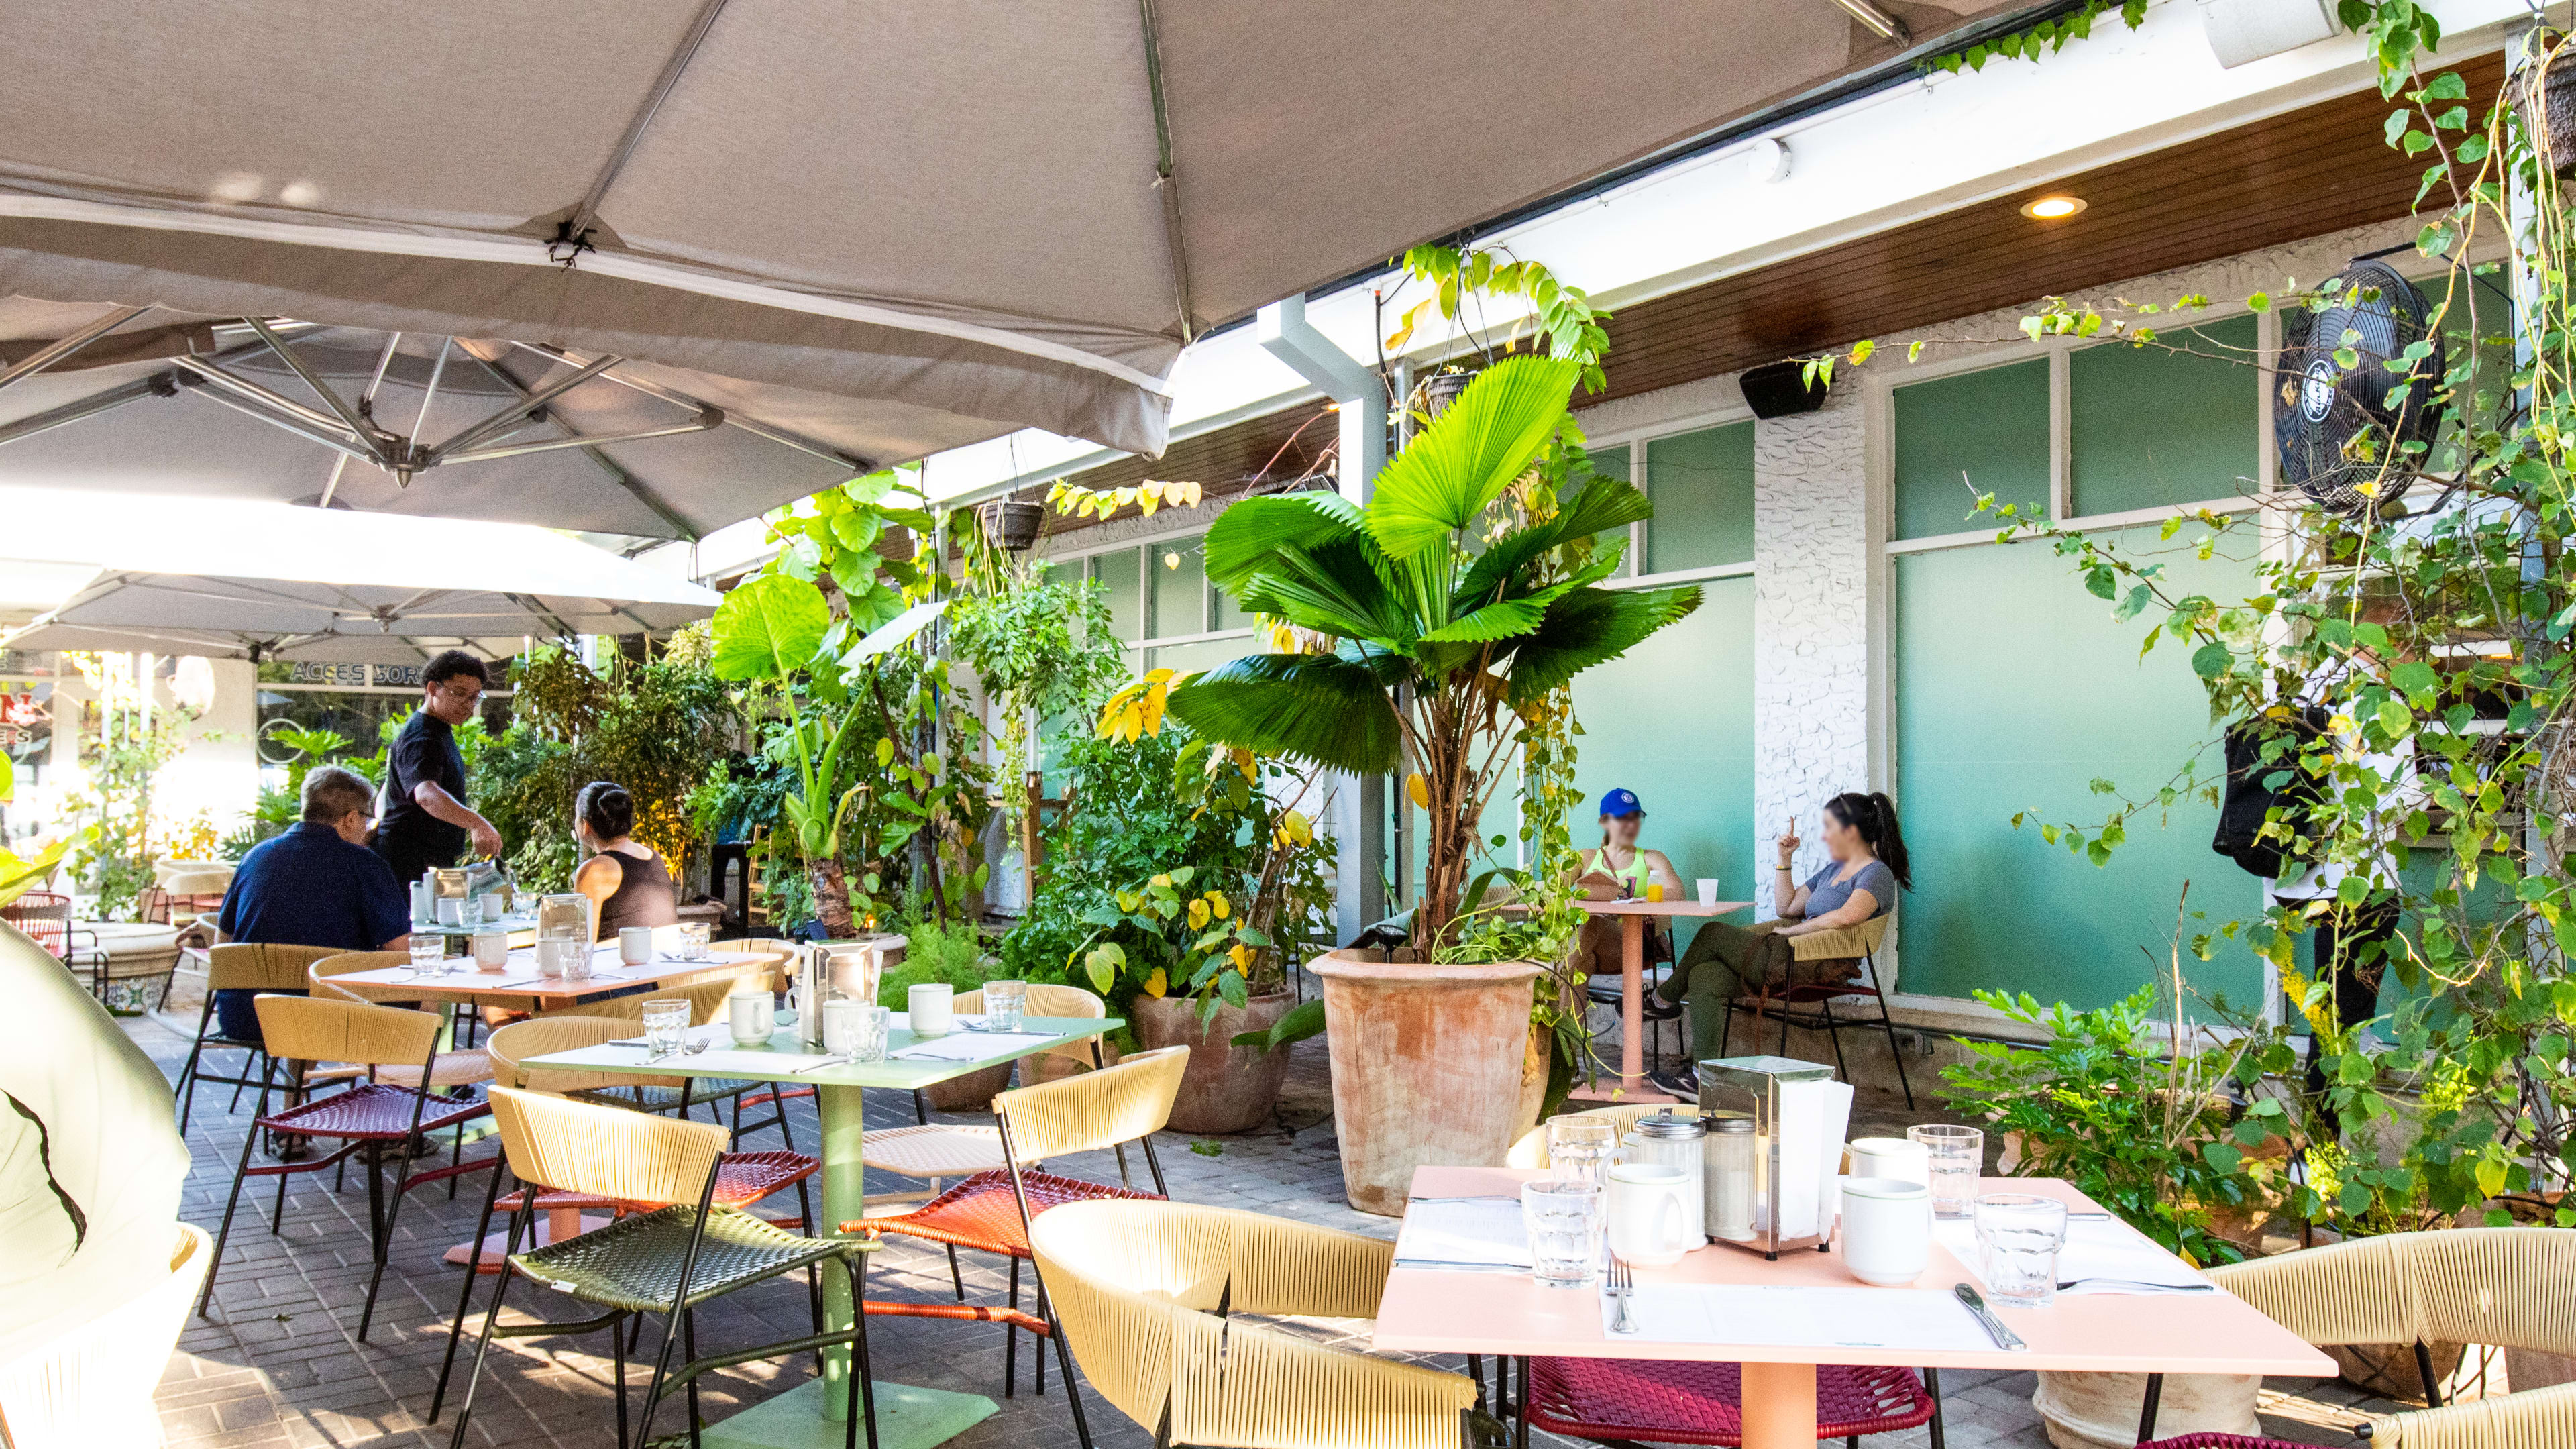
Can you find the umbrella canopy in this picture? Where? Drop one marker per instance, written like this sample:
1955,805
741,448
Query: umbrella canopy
264,581
997,214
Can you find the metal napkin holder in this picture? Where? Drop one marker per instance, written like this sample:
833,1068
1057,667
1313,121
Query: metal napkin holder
1750,1087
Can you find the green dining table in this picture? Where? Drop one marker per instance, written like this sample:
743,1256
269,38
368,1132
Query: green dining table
813,1415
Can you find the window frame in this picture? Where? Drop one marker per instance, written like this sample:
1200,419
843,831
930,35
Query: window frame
1637,440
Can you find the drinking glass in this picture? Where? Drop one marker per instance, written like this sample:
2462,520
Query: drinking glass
1958,1158
554,957
1004,1004
1579,1148
693,940
2020,1235
868,1041
665,1022
576,960
470,914
1564,1224
429,955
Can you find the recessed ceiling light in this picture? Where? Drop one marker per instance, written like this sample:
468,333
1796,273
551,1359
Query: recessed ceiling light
2052,208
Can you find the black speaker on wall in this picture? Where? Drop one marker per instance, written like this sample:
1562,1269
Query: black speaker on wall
1781,389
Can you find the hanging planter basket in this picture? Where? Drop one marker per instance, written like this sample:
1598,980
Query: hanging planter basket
1011,525
1441,389
2546,100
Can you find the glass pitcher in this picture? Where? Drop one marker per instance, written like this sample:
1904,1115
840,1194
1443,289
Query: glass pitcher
563,933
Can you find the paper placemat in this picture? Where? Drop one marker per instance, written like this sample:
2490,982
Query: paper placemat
1789,1316
973,1046
1472,1234
2101,1256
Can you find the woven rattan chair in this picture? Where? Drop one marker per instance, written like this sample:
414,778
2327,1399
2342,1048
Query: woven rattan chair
1852,943
991,1211
667,1261
45,917
457,1066
241,966
1142,1291
1611,1400
367,1117
2511,1287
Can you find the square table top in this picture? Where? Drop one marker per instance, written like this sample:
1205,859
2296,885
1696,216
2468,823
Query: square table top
630,1060
518,979
1425,1310
1686,906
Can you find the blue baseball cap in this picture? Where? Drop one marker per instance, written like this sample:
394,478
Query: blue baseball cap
1619,804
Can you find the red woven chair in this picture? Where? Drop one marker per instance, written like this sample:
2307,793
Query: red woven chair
2220,1441
46,919
1619,1401
991,1211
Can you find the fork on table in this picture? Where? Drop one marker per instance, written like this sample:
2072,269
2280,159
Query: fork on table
1623,1291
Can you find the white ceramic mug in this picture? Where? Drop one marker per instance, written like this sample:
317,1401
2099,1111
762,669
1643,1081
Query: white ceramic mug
1886,1230
491,950
753,1014
841,1023
451,910
931,1009
1650,1222
1891,1157
1707,890
635,944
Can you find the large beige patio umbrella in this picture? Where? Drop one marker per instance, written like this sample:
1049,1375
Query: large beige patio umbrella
970,216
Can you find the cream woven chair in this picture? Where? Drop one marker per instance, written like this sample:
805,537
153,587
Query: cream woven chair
2510,1287
457,1066
1142,1291
1858,944
241,966
94,1386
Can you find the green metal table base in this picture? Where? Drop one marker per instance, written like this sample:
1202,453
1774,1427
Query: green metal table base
907,1418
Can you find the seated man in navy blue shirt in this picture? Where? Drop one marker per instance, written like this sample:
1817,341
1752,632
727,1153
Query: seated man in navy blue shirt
316,885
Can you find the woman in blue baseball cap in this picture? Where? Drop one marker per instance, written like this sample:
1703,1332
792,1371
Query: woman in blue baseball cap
1619,870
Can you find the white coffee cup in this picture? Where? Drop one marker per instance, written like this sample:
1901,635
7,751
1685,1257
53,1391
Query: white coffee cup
1650,1221
451,910
1887,1230
1891,1157
635,944
1707,890
753,1014
491,950
931,1009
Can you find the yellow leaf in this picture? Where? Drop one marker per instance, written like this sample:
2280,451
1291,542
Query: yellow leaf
1164,881
1419,789
1154,983
1242,958
1151,489
1196,492
1148,505
1152,713
1298,827
1198,915
1221,906
1157,676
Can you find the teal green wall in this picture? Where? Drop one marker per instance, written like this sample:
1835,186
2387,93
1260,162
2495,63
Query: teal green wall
1988,428
1673,721
1702,487
2014,689
2153,429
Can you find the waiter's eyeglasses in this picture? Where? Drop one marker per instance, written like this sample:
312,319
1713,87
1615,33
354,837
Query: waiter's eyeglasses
463,693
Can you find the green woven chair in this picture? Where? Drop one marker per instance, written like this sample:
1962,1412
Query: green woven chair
664,1262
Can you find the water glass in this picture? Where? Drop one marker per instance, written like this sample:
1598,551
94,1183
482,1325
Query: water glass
1957,1159
665,1022
1579,1148
1564,1223
553,957
2020,1236
470,914
1005,1003
577,960
491,950
428,955
693,940
869,1042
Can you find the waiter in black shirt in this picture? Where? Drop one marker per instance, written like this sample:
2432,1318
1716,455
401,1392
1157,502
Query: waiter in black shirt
426,822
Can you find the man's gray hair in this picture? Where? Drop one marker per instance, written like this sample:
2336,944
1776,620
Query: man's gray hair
331,792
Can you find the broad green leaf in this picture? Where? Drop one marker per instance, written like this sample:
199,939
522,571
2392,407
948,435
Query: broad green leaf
1588,627
1318,708
1469,454
768,628
1246,539
1303,1021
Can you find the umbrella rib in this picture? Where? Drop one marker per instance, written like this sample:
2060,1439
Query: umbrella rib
64,346
574,238
616,474
1163,180
501,421
529,603
348,414
158,384
674,396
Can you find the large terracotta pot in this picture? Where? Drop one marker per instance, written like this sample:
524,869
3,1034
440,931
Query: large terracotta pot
2087,1410
1427,1067
1227,1088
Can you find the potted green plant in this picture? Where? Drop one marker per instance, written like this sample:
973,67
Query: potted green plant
1446,618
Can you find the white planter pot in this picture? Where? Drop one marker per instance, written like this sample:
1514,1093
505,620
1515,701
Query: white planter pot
2086,1410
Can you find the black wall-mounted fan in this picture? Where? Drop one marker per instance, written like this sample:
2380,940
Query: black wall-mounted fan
2335,428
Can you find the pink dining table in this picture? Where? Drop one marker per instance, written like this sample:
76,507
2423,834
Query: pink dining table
1510,1315
1632,916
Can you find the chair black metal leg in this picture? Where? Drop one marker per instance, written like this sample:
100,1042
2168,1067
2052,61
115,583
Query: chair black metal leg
240,1170
1887,1024
2424,1372
1932,1386
384,1238
689,1346
188,1073
1072,1386
617,1355
465,1300
2147,1414
1834,1032
491,1320
661,1370
1036,1353
1011,1342
1784,1031
920,1108
863,1369
956,1277
1726,1026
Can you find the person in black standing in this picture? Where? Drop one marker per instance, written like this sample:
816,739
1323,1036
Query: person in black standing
426,821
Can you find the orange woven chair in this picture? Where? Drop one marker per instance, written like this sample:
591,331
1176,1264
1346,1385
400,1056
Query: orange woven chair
991,1211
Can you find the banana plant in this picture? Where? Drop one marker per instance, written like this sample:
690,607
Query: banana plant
1452,608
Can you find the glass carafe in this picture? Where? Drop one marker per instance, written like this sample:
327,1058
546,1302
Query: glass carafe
563,933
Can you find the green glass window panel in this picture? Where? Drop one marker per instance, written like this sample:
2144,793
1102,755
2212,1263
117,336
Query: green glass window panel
2477,326
1702,487
2154,429
1180,587
1222,613
1672,719
1190,658
1988,427
1612,463
1118,575
2015,689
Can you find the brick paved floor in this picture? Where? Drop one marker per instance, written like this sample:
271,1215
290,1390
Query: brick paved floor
278,1363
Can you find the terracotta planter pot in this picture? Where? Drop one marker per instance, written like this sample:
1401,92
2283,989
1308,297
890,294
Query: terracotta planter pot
1427,1067
2085,1410
1227,1088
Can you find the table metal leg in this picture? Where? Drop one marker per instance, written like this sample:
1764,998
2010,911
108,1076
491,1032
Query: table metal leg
1779,1406
1520,1402
1632,1002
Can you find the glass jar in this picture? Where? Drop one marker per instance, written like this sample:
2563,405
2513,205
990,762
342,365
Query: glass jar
1664,1140
563,917
1729,1149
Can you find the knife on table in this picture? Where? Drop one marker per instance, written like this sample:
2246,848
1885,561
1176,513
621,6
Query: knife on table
1975,1303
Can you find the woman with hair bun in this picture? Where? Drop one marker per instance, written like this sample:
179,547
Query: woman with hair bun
1859,882
626,880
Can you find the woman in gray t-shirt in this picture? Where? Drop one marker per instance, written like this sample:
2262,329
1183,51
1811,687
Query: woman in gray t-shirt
1859,882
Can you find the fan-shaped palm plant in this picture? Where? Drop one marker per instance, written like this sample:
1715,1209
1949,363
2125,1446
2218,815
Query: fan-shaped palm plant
1436,645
